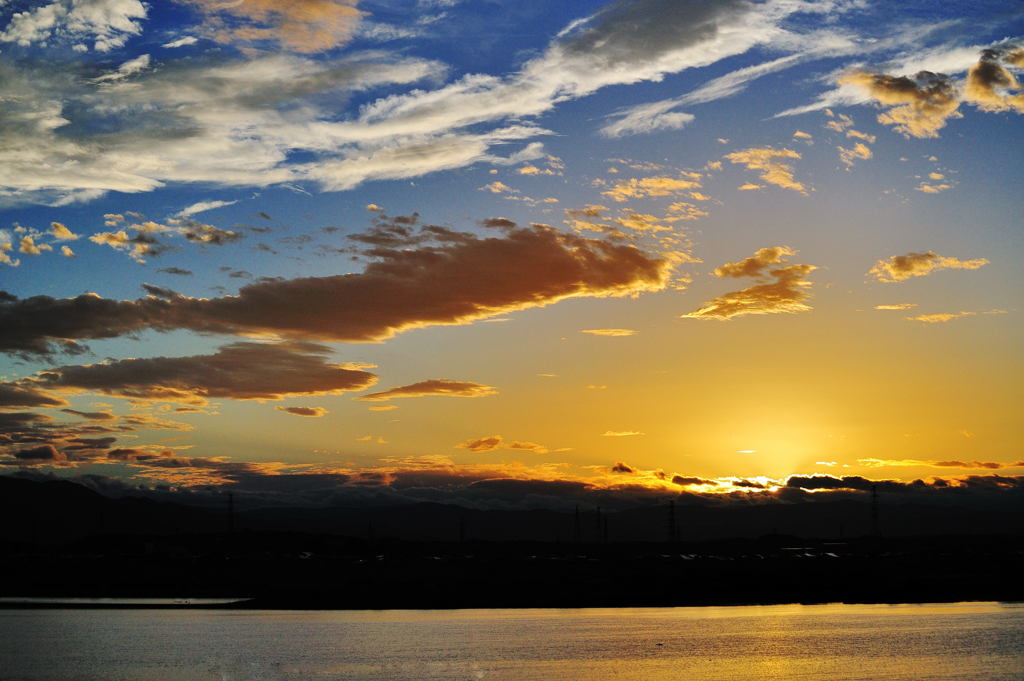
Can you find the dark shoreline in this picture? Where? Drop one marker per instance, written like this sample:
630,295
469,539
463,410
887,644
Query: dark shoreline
292,571
256,604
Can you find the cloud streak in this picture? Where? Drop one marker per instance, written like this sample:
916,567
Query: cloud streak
462,279
434,387
241,371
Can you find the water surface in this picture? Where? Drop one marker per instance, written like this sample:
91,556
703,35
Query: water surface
966,641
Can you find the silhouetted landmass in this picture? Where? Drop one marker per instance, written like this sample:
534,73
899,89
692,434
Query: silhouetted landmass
61,539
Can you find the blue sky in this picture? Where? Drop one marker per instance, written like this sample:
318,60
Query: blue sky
714,240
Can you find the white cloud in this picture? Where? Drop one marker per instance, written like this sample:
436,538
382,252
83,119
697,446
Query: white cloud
654,116
181,42
128,68
240,123
203,206
192,122
107,23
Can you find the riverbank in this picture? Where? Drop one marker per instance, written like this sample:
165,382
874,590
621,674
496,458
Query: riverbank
397,575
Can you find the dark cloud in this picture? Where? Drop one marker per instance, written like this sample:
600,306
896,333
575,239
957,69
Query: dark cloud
498,223
990,85
10,421
175,270
684,481
452,283
852,482
483,444
41,454
434,386
161,292
620,467
921,104
133,454
90,443
748,483
20,394
312,412
91,415
407,482
635,33
974,464
244,371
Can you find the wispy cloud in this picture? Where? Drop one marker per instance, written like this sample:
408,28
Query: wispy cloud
613,333
442,387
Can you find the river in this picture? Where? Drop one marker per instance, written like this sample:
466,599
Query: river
962,641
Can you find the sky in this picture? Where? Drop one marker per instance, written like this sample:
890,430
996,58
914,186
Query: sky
415,249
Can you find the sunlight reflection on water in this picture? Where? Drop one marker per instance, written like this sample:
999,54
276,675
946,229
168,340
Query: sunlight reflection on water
977,641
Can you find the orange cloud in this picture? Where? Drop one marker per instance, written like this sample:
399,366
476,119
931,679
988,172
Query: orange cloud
640,222
939,317
860,151
757,264
989,83
786,294
305,26
773,171
435,386
921,105
61,232
902,267
459,279
613,333
636,188
926,188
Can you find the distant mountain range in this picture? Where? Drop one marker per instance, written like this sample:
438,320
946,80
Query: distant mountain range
55,511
